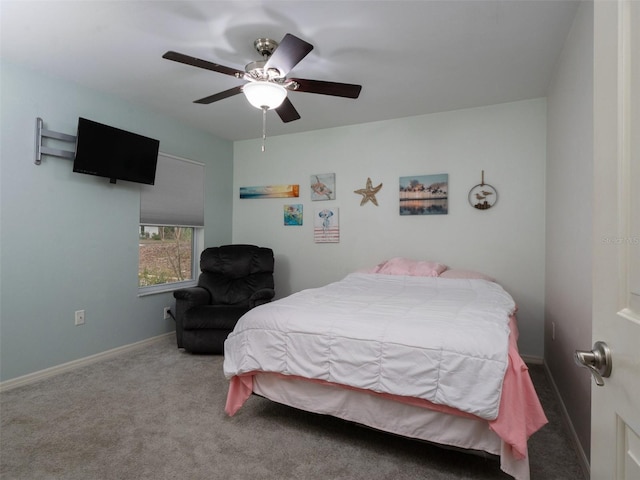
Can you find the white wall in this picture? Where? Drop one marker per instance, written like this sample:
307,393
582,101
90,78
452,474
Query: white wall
569,220
70,241
507,141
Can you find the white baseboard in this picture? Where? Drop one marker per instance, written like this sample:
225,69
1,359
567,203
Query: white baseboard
81,362
532,360
582,456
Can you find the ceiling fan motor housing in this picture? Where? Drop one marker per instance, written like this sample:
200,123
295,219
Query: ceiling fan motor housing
256,70
265,46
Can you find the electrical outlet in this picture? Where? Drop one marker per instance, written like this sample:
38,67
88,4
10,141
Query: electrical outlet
166,313
79,318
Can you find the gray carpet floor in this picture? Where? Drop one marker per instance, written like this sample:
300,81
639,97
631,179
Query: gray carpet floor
158,413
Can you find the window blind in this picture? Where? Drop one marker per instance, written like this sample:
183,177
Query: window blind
177,197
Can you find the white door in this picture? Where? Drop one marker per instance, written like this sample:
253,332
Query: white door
615,407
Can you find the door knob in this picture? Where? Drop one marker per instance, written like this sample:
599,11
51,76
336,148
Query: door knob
598,361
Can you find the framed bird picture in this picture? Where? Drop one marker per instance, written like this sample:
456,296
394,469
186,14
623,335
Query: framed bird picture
483,196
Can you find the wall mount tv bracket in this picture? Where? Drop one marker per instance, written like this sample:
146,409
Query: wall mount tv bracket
41,149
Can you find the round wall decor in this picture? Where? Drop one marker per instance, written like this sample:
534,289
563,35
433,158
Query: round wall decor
483,196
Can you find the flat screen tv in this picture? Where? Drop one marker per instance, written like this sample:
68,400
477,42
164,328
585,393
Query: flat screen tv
113,153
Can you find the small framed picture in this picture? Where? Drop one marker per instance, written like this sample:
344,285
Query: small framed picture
326,225
323,186
293,214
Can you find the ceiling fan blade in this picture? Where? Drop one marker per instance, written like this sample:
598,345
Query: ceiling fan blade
287,112
197,62
289,52
220,96
336,89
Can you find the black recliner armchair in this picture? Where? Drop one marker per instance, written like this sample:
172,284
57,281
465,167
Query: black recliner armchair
233,280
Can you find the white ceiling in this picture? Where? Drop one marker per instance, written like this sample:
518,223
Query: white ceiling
411,57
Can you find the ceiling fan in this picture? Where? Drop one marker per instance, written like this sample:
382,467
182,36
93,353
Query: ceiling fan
267,83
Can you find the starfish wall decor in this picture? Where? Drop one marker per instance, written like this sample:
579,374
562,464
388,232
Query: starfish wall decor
369,193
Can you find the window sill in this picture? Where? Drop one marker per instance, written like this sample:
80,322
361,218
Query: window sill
171,287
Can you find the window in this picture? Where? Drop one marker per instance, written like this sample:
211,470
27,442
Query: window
166,255
170,236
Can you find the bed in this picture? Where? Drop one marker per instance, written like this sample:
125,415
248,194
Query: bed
410,348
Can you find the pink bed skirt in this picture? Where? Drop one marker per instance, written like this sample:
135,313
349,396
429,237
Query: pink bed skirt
520,413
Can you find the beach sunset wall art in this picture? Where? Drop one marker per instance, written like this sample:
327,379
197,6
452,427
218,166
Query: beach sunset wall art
270,191
424,195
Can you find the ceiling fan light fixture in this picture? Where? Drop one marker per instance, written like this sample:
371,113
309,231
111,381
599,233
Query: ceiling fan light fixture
263,94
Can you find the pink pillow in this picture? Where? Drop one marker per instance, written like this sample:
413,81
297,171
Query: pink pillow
377,268
406,266
468,274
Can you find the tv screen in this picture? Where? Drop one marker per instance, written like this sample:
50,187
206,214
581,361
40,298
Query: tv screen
113,153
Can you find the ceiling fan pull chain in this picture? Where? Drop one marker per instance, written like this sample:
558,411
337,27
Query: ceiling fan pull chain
264,126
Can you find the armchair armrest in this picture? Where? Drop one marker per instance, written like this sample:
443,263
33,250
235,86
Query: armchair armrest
185,299
193,295
262,296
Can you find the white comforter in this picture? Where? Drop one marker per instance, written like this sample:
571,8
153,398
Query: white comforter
443,340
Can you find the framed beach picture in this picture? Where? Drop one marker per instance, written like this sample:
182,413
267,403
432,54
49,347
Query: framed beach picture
293,214
270,191
323,186
424,195
326,225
